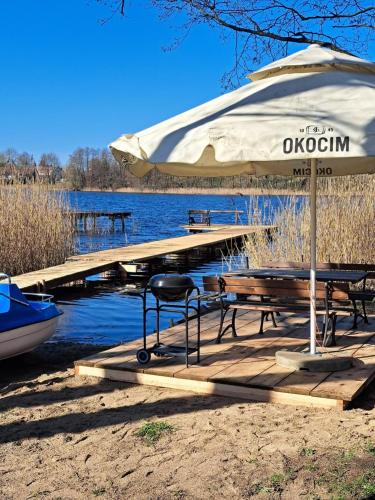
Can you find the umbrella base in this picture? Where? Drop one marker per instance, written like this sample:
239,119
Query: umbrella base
312,362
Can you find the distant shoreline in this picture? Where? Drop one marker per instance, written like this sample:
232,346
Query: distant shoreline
214,191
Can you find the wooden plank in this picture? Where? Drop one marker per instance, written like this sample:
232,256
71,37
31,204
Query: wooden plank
269,283
240,373
319,265
210,388
270,376
347,384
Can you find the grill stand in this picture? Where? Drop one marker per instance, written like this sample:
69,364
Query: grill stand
159,349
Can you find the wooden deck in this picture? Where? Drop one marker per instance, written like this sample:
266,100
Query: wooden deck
245,367
81,266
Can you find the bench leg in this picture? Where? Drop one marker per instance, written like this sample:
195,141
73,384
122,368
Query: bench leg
262,316
364,312
329,331
273,320
266,317
222,318
233,324
356,314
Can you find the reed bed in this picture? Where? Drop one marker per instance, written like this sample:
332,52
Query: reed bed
36,231
345,225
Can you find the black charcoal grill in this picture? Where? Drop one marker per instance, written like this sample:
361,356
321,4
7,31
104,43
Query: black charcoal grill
171,287
170,290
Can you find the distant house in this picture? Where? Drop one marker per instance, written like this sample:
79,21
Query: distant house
11,173
46,173
27,174
7,172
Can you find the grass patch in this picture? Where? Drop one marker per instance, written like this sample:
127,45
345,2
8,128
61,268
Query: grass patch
342,475
276,481
275,484
370,448
348,456
98,492
153,431
311,467
307,452
362,487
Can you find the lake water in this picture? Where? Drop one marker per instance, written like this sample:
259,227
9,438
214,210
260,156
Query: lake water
159,216
104,315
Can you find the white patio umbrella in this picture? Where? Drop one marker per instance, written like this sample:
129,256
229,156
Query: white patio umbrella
310,114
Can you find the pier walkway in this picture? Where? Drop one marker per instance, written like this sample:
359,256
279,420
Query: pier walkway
80,267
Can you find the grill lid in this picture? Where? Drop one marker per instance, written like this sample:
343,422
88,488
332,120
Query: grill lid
171,287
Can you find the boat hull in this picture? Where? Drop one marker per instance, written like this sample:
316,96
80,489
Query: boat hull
26,338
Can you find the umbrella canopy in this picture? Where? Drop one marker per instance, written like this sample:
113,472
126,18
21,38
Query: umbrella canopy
316,103
310,114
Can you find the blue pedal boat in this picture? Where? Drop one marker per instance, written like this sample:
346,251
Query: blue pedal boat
26,319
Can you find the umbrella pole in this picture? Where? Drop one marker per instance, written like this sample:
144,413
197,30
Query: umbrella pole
312,360
313,178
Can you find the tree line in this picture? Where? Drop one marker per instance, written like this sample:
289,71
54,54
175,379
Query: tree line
90,168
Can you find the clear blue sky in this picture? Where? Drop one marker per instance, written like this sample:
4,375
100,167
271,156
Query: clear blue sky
68,81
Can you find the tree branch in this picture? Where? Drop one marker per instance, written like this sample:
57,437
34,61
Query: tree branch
299,38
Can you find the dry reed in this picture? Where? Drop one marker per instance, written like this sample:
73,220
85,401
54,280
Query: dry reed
345,225
36,231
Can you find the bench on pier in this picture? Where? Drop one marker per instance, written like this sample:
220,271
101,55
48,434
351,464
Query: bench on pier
270,296
204,216
362,294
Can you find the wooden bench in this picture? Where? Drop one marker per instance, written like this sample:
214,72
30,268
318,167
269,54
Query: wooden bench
362,295
269,296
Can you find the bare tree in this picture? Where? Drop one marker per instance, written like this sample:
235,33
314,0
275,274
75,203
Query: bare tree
271,27
49,160
25,159
50,167
78,164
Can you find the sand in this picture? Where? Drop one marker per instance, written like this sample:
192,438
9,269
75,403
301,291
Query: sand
67,437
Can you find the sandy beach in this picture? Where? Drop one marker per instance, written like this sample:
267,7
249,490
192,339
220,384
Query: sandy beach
68,437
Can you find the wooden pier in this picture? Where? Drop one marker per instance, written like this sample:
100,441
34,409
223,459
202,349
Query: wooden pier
88,219
244,367
82,266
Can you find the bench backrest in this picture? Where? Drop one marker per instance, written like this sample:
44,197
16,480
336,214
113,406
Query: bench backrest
323,266
282,288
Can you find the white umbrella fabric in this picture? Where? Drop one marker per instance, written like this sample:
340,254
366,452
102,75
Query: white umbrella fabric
310,114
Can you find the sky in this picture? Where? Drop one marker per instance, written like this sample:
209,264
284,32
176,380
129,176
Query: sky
68,80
